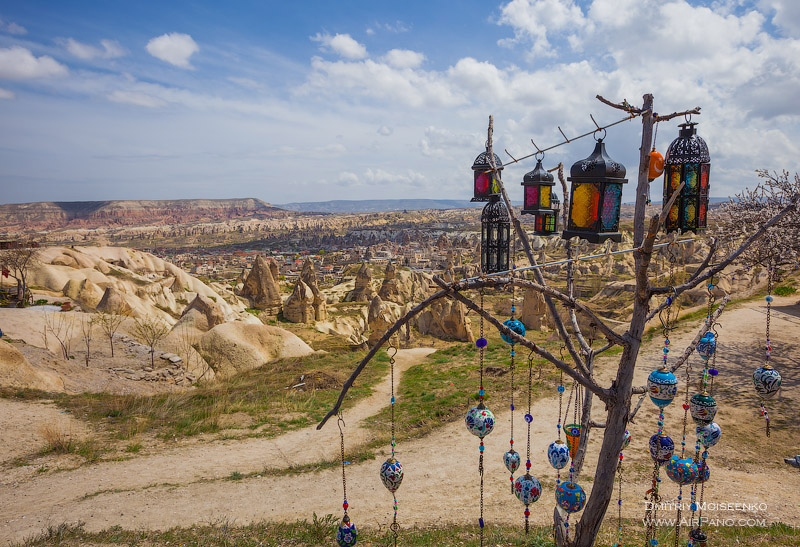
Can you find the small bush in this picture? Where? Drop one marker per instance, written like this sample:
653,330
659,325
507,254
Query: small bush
56,440
784,290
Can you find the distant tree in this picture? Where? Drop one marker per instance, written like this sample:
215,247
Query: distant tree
17,263
87,326
109,323
59,325
150,331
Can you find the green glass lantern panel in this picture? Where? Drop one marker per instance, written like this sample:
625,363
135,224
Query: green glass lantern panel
612,197
585,204
550,223
545,195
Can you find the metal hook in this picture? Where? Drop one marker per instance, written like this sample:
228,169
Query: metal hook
561,351
597,131
391,355
595,123
535,146
688,117
510,156
565,137
340,423
537,157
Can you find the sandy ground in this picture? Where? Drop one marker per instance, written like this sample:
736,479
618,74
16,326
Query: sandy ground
185,485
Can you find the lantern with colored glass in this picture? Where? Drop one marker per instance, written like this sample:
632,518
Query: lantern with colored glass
486,178
595,197
537,198
495,236
687,162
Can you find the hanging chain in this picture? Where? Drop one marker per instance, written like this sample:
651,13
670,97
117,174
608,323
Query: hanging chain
560,401
768,345
529,420
513,352
392,350
341,424
480,396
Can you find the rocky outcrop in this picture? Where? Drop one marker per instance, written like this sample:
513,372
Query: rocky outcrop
261,288
534,311
379,319
203,314
114,301
390,288
446,320
309,277
86,293
17,372
236,347
363,291
299,307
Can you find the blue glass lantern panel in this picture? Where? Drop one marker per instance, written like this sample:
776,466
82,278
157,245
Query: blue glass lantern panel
612,197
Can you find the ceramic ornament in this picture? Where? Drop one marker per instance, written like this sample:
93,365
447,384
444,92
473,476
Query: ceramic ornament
392,474
703,472
558,454
626,440
346,535
662,387
479,421
661,448
682,470
515,325
703,408
698,538
707,345
767,381
709,434
570,497
527,488
573,434
512,460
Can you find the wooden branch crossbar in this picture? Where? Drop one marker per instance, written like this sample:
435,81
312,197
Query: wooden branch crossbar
588,383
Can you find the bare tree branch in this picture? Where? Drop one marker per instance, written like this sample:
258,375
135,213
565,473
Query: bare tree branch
660,118
639,404
624,106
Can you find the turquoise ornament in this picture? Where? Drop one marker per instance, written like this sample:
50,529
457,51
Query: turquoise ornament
511,460
516,326
662,387
703,408
707,345
570,497
682,470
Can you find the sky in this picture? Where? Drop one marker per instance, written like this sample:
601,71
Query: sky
317,100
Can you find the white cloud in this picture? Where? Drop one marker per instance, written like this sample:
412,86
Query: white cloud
135,98
385,131
174,48
342,44
532,20
110,49
787,15
397,27
6,94
18,63
404,58
12,28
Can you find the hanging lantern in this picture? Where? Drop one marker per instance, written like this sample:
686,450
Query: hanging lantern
558,454
661,448
595,197
486,184
495,236
573,434
570,497
546,224
703,408
709,434
392,474
687,161
537,188
682,470
662,387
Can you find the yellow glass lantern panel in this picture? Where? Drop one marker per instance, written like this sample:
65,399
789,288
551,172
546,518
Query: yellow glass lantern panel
545,196
585,203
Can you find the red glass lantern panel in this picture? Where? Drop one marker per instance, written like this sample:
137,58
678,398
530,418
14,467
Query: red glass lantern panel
531,196
482,184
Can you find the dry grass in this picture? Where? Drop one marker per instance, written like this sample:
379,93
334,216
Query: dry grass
57,440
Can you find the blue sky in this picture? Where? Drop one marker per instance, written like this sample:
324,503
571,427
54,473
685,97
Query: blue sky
308,101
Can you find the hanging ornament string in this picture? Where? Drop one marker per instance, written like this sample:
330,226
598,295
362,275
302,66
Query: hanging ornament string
676,465
511,458
392,470
346,534
767,380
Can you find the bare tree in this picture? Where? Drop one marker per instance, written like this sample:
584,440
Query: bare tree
109,323
150,331
581,355
87,326
186,349
17,261
60,326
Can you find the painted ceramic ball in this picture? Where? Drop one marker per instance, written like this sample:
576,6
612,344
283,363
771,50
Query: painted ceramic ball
558,454
570,497
392,474
512,460
662,387
703,472
767,381
698,538
626,440
516,326
479,421
709,434
346,535
707,345
682,470
527,488
703,408
661,448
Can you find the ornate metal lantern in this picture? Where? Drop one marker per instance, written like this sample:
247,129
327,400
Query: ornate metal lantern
547,223
687,161
595,197
537,187
486,184
495,236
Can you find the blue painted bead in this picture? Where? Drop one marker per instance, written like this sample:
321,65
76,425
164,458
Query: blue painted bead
713,372
528,418
512,406
694,507
481,392
481,342
480,522
512,353
561,389
768,299
392,400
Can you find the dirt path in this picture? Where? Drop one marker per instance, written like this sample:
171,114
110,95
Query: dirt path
441,483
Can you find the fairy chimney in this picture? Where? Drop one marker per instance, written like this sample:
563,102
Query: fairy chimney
261,287
363,291
390,288
299,307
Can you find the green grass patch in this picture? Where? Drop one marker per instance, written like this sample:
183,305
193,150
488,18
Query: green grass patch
784,290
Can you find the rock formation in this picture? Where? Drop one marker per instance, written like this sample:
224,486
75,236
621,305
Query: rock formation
261,287
203,313
309,277
446,320
390,288
299,307
235,347
114,301
534,311
379,319
363,291
17,372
